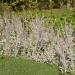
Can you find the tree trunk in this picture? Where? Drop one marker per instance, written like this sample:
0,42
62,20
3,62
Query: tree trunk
69,4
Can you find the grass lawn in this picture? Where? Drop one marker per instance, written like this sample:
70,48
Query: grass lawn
19,66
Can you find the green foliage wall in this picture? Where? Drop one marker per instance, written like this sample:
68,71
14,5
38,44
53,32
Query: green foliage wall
33,4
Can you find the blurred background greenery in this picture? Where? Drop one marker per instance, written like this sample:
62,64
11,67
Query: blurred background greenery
36,4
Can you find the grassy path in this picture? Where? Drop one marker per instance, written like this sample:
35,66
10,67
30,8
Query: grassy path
18,66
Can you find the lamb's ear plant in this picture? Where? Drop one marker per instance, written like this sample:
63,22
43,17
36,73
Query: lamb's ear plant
39,36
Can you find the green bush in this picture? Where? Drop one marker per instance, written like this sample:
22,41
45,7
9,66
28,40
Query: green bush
34,4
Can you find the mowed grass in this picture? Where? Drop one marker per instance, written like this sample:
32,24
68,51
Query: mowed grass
47,13
19,66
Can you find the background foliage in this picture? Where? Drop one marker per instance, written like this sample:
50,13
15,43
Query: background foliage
39,4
